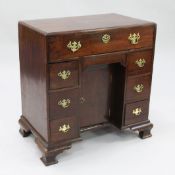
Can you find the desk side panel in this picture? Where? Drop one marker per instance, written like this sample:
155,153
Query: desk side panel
33,69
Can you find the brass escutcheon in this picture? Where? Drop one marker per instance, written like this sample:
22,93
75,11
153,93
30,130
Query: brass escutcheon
134,38
64,128
65,103
139,88
141,62
137,111
82,100
106,38
64,74
74,46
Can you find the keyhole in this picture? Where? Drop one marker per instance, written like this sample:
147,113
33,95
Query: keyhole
82,100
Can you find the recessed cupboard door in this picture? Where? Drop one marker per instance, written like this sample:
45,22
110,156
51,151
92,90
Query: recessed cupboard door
94,95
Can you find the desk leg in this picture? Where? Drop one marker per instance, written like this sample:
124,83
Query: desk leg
144,130
24,130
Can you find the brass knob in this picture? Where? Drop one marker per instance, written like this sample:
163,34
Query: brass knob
139,88
74,46
137,111
82,100
64,74
106,38
65,103
64,128
141,62
134,38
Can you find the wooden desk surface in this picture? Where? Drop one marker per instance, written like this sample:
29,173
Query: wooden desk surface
82,23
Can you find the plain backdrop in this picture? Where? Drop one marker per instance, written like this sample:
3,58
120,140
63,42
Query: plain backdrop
106,151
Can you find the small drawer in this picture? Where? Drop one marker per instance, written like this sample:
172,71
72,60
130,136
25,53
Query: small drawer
138,88
64,129
63,104
71,45
63,75
136,112
140,62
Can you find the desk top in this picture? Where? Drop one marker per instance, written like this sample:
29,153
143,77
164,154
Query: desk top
82,23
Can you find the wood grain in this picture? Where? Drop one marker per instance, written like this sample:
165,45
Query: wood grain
33,70
95,83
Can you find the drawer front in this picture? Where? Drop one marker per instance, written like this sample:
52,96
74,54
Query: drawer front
94,42
138,87
64,129
64,75
140,62
63,104
136,112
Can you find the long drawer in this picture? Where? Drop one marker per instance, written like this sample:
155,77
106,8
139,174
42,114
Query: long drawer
94,42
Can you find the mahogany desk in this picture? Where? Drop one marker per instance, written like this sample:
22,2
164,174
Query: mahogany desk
80,73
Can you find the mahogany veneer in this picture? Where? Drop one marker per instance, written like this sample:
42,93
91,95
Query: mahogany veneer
80,73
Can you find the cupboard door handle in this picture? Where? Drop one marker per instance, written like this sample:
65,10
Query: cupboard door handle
106,38
140,62
139,88
64,74
134,38
137,111
64,128
74,46
65,103
82,100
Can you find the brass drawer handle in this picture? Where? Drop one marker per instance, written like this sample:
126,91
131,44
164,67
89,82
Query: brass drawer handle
141,62
65,103
137,111
106,38
64,74
134,38
64,128
139,88
74,46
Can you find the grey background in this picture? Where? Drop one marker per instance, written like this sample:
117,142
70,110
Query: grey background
105,151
